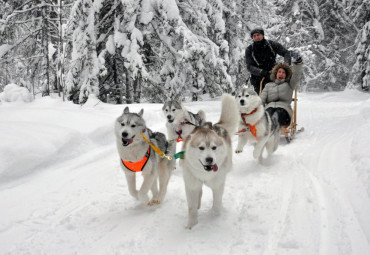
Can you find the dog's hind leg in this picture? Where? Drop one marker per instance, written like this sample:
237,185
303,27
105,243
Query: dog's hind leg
131,183
155,192
258,148
164,174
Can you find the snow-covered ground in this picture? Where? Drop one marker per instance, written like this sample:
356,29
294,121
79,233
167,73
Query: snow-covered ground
62,190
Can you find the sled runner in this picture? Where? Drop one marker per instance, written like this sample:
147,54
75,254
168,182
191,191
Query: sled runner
289,131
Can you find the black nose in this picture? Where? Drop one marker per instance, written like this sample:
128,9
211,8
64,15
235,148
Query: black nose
124,134
209,160
169,117
242,102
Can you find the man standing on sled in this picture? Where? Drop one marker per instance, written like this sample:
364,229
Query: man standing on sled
260,57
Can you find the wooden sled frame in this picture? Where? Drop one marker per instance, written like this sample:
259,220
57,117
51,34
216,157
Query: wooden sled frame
289,131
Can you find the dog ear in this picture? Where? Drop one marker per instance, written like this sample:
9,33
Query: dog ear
179,99
141,112
126,110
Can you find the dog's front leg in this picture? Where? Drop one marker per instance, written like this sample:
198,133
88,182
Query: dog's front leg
149,179
131,183
193,196
242,140
217,198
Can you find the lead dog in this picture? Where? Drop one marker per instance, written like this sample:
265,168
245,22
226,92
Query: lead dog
136,155
208,159
180,122
256,125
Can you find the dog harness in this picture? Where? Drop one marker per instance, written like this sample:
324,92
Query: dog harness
186,121
137,166
252,128
179,138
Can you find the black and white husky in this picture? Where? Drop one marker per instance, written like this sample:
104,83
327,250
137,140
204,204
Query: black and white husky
208,158
256,125
137,155
180,122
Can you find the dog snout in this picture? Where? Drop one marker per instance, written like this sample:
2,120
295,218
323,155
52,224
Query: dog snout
124,134
209,160
169,117
242,102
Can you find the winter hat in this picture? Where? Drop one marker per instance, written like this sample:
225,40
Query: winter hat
257,30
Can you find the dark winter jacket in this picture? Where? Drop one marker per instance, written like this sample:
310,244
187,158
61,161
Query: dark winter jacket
279,93
260,57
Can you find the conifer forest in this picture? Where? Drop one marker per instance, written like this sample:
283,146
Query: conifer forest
132,51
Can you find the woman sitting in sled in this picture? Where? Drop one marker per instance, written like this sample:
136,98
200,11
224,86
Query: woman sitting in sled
277,95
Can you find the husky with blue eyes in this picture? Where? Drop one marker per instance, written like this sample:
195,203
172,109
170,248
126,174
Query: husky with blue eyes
137,147
208,159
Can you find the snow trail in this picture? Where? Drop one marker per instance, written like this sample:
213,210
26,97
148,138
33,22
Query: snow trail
311,197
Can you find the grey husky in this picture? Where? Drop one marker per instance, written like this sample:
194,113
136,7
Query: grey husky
137,155
180,122
256,125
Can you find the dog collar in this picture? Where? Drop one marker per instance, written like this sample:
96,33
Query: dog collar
137,166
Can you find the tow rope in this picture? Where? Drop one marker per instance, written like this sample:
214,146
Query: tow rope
155,148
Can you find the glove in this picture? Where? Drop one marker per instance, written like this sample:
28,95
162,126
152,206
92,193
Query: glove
296,57
265,73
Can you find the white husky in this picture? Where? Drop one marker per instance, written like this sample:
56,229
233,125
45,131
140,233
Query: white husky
208,158
180,122
136,155
256,125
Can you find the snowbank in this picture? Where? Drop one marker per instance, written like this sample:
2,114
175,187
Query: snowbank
15,93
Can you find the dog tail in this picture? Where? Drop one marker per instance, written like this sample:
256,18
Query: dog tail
229,114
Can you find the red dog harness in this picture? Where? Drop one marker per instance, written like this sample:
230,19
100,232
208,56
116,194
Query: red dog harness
137,166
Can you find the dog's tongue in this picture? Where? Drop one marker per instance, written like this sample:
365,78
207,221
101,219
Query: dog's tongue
215,168
127,141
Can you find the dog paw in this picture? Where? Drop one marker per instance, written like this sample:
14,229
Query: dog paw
256,153
192,221
144,199
238,150
134,194
154,202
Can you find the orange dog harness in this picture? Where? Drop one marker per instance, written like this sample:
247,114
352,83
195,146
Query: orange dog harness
252,128
137,166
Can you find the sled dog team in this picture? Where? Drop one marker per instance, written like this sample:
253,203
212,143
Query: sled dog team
206,155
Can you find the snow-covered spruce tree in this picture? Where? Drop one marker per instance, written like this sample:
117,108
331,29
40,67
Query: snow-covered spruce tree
129,41
204,51
237,27
111,80
325,29
82,78
361,69
31,31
